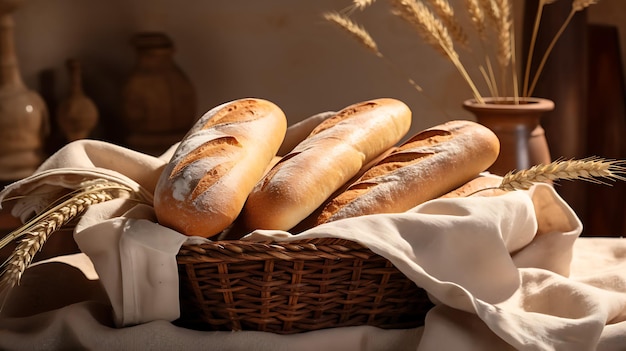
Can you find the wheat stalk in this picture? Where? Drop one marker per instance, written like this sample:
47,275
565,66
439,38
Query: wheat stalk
491,10
364,38
533,40
431,30
477,17
434,33
591,169
503,27
577,6
436,24
514,71
362,4
445,12
38,230
357,31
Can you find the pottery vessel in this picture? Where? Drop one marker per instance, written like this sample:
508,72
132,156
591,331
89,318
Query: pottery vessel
159,100
24,123
77,114
523,142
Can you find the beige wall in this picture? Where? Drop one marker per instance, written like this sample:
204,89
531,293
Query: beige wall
276,49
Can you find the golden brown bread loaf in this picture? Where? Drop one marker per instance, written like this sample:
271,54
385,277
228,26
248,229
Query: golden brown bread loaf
311,220
329,157
430,164
300,130
482,185
204,186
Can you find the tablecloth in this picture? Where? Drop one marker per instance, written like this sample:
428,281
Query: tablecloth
505,272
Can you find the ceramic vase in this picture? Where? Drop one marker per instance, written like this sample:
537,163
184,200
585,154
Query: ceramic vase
77,114
159,100
517,123
24,123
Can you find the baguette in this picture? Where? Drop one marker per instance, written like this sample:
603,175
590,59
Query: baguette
483,185
300,130
204,186
335,151
311,220
428,165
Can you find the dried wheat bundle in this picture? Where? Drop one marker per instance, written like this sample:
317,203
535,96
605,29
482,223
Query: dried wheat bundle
37,231
433,32
437,25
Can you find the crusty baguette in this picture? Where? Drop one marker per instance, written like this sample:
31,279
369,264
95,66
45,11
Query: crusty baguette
426,166
204,187
311,220
324,161
300,130
482,185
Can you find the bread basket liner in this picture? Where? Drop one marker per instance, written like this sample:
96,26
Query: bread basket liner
464,252
467,253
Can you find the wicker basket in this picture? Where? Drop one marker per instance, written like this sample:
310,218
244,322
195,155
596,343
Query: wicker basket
294,287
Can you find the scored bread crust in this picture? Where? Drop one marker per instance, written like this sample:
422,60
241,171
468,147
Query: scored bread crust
483,185
204,186
428,165
330,156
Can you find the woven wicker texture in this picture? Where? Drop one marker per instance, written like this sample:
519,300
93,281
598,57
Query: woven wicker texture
294,287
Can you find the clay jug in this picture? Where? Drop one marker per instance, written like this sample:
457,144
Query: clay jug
523,142
159,100
24,121
77,115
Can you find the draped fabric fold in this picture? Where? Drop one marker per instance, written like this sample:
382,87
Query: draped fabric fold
505,272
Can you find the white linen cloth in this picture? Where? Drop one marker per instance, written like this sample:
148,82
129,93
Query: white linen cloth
506,272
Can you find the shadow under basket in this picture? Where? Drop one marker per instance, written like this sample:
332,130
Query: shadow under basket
294,287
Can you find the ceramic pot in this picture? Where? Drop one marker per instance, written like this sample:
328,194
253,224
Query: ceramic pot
24,121
518,126
77,115
159,100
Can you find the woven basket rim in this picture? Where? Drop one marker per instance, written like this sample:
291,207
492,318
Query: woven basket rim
247,250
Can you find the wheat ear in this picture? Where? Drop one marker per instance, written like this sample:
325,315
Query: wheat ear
491,14
504,27
364,38
357,31
38,230
591,169
477,17
445,12
434,33
491,11
577,5
362,4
